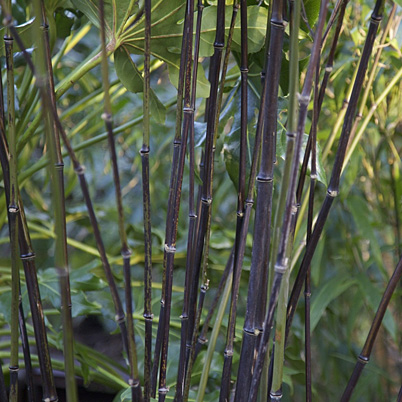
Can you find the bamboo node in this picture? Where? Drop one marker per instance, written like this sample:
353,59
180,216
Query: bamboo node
249,331
148,317
80,170
328,69
363,359
163,390
13,368
170,249
202,341
119,318
188,109
13,209
28,256
313,176
126,254
294,209
244,69
291,134
240,214
228,353
106,117
8,38
207,200
280,268
44,27
332,193
304,98
376,19
276,396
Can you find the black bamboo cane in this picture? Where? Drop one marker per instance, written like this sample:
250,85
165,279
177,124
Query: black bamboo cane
177,144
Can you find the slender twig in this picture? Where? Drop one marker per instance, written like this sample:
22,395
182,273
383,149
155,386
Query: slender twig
364,356
134,382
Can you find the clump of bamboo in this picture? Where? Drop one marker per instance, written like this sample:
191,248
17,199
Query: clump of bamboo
333,187
266,126
134,382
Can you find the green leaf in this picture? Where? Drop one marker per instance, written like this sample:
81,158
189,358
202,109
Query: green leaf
26,33
281,152
82,306
133,81
117,13
332,289
256,29
362,217
312,8
373,297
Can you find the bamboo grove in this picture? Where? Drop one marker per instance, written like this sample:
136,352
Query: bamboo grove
164,170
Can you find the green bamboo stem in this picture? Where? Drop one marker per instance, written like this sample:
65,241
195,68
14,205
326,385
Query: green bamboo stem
276,390
133,381
214,336
364,356
3,393
282,262
13,215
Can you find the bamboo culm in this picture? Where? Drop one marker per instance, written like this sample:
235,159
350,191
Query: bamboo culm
259,261
134,382
189,111
174,207
177,144
148,316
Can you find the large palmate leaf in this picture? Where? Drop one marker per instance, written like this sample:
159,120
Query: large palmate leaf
117,13
132,79
167,32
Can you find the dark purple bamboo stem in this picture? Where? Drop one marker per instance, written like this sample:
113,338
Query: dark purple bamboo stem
190,98
258,281
177,144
